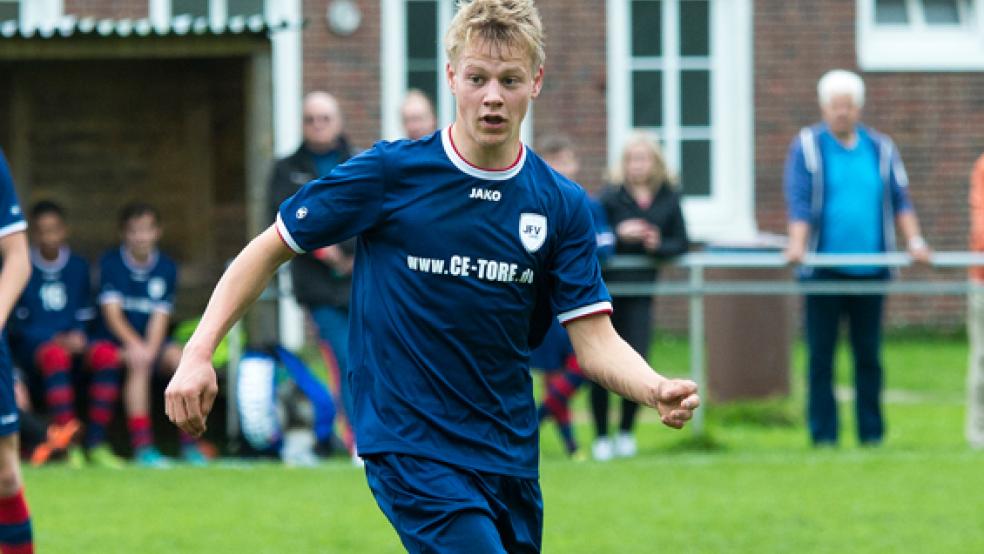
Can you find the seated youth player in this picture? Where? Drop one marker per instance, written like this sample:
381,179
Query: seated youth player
48,338
468,242
136,296
556,355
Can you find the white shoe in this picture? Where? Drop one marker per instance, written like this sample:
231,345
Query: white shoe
602,450
357,461
625,445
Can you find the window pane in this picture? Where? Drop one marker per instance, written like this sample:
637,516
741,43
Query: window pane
890,12
9,11
695,167
245,7
422,30
695,97
694,28
197,8
943,12
646,28
647,98
425,81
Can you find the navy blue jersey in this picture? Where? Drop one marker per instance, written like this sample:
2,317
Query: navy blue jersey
57,298
11,217
11,221
141,290
455,266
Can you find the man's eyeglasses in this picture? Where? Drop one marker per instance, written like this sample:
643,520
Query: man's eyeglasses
311,119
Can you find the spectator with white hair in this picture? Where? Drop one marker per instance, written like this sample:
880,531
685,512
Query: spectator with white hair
846,191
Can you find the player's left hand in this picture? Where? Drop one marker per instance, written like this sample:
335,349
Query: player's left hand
676,401
190,394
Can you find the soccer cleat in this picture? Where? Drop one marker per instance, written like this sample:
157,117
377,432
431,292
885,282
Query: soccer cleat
75,457
625,445
602,450
102,456
59,437
150,457
193,455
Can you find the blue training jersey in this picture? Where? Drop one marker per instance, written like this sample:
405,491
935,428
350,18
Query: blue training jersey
140,289
455,268
57,299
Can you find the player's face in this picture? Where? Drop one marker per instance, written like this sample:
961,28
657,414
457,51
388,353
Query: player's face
140,235
493,86
418,118
638,164
564,162
50,232
841,114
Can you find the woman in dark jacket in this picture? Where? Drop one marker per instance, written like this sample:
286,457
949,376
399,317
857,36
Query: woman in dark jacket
644,210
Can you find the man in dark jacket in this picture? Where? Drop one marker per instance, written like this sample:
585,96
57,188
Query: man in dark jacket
321,279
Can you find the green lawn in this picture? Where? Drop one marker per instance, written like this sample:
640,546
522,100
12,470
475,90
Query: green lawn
755,486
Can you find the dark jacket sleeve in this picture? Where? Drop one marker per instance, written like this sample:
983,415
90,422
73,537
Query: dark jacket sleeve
673,239
280,187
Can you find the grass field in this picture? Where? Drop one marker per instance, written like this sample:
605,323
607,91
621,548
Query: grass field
757,487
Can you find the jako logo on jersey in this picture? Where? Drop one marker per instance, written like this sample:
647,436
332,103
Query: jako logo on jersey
301,212
532,231
156,288
486,194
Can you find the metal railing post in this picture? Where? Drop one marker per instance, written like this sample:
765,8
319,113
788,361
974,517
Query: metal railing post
697,341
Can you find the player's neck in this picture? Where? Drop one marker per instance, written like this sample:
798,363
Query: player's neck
49,254
494,158
141,258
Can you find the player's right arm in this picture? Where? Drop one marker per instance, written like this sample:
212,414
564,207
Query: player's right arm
193,388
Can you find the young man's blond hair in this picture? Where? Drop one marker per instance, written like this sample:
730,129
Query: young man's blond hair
498,23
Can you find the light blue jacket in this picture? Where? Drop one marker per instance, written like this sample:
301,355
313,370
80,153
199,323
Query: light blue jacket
803,182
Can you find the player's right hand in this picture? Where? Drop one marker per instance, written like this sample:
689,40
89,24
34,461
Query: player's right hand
190,394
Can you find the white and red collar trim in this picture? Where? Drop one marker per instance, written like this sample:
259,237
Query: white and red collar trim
468,168
50,266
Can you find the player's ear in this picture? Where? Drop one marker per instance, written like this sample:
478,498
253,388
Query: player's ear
449,74
537,82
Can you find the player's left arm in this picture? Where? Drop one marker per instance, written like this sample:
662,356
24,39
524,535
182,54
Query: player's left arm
609,361
15,272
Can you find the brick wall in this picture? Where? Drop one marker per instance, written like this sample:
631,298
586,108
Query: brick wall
348,67
937,120
116,9
573,97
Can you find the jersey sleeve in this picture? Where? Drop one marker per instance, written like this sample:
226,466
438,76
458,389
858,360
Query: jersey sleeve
166,303
335,207
112,283
11,217
577,289
85,311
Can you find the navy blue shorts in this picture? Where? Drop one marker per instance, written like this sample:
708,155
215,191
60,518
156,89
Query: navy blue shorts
9,422
439,508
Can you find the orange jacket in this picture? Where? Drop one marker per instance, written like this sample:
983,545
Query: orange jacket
977,215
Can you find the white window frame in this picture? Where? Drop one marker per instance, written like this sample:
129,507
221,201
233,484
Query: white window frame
393,69
728,213
39,14
218,10
918,46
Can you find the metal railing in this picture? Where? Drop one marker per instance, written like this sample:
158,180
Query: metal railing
696,287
